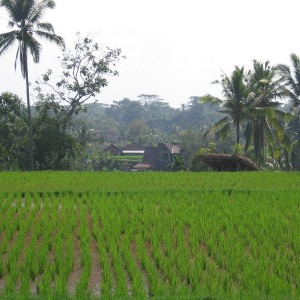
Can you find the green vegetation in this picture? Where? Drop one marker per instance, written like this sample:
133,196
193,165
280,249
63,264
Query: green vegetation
158,235
26,15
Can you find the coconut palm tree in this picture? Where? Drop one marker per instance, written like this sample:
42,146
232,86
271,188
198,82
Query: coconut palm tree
25,20
292,83
265,124
234,106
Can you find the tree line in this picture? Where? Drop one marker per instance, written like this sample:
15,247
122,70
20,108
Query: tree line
252,105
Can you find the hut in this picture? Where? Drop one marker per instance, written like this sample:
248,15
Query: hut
113,150
228,162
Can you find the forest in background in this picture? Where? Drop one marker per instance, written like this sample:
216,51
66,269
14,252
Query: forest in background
147,120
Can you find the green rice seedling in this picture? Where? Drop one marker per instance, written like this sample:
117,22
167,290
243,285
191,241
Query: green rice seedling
86,260
133,271
121,285
25,283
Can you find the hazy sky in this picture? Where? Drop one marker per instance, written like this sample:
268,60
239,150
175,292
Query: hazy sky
174,48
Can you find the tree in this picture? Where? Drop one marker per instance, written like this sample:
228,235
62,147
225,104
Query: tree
53,143
265,124
125,111
26,16
235,104
84,74
13,125
292,84
137,129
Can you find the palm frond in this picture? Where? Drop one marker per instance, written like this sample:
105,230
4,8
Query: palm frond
28,6
218,125
277,127
17,57
296,68
270,135
35,48
285,71
6,40
38,10
45,26
22,55
11,24
283,115
224,131
286,142
292,79
51,37
210,99
10,8
17,9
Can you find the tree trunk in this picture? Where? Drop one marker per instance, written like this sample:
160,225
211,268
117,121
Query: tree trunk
297,160
238,130
297,153
261,144
30,146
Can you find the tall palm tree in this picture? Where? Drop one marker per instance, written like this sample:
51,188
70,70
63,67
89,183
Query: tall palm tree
234,106
26,16
265,124
292,83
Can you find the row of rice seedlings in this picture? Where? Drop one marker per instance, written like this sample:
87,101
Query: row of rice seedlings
9,228
121,289
84,236
100,248
112,231
7,212
107,280
36,253
30,266
63,245
11,263
129,264
157,286
41,272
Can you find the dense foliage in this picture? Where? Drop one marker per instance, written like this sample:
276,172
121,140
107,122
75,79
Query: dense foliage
26,19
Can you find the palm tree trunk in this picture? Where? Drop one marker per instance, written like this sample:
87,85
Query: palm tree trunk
30,146
261,144
297,159
238,130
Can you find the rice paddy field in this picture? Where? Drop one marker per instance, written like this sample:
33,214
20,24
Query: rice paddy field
67,235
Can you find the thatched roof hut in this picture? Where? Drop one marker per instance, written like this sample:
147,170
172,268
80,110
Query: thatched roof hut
228,162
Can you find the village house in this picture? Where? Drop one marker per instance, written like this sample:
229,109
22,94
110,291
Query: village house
113,150
158,158
132,149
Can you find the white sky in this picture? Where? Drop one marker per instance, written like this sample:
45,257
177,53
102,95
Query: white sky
174,48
